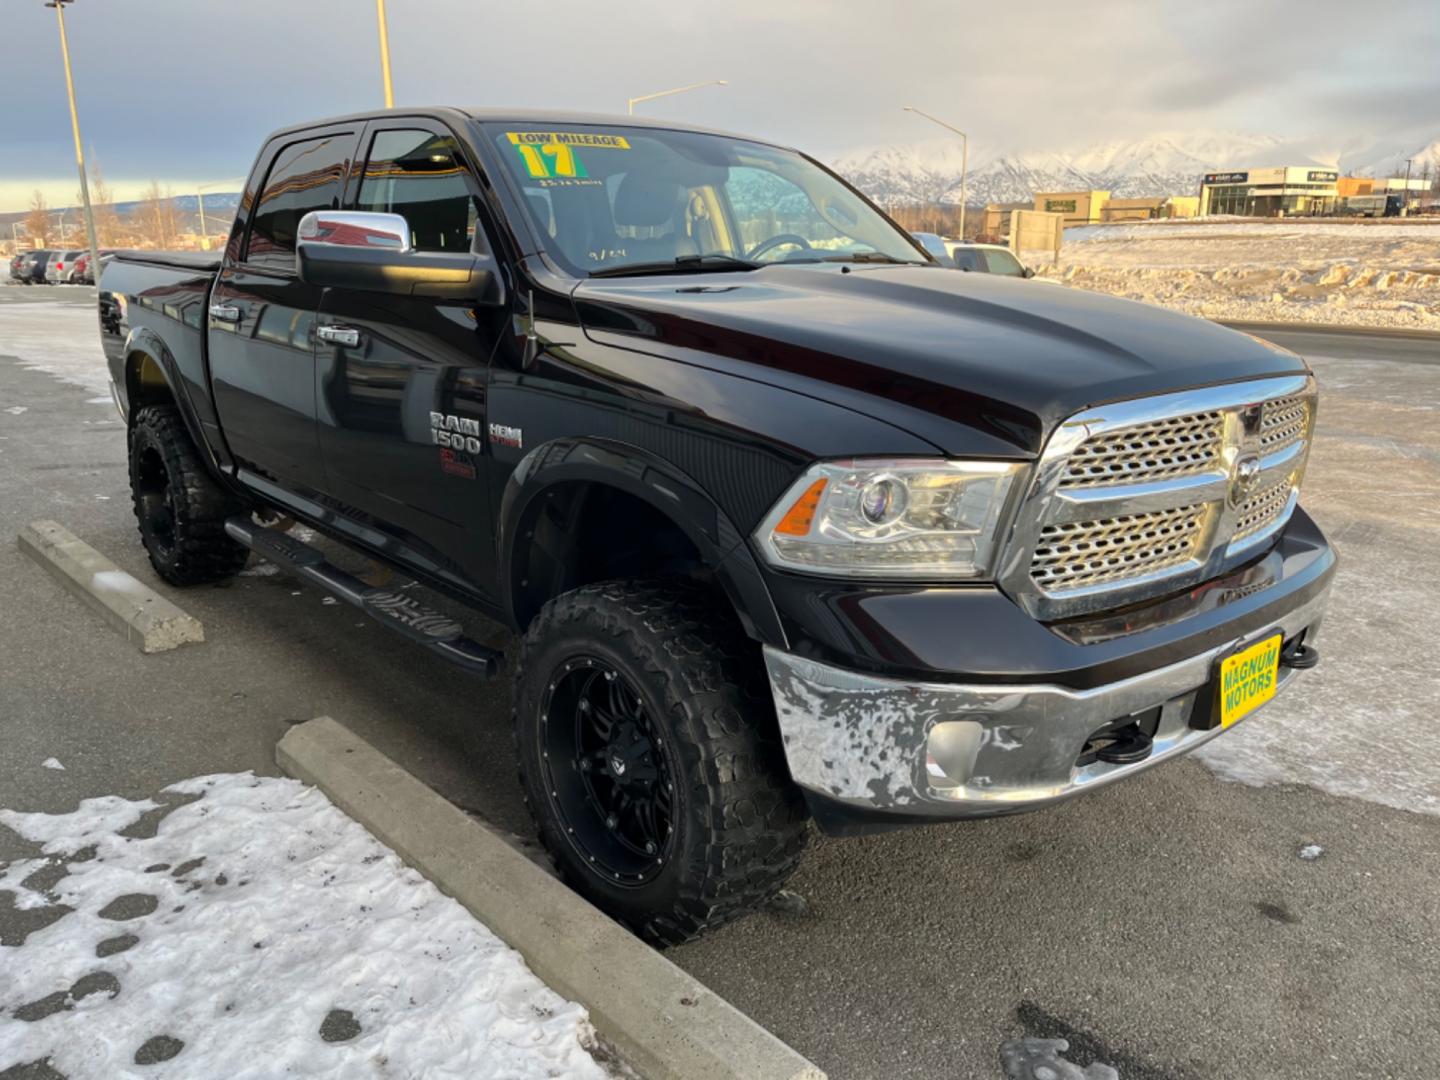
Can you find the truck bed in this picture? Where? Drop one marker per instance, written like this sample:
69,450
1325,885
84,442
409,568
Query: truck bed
207,262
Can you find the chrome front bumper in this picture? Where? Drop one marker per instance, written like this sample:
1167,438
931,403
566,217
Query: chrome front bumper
950,750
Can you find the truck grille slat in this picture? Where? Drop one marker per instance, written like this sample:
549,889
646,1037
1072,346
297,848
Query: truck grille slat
1087,553
1161,528
1180,446
1283,423
1261,510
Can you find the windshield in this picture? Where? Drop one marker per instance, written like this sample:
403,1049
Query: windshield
607,198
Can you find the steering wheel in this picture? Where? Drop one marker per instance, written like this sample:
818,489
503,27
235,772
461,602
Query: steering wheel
778,240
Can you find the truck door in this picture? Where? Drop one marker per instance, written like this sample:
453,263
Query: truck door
402,381
262,316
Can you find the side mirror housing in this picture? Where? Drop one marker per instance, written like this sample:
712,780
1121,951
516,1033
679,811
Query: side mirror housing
353,249
1029,272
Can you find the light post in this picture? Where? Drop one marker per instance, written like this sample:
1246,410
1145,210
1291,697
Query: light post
1406,203
632,102
59,6
385,54
964,158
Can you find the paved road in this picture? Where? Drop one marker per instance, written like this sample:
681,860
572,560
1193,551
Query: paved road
1166,926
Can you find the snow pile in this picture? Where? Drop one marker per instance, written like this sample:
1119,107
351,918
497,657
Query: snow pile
1330,272
259,933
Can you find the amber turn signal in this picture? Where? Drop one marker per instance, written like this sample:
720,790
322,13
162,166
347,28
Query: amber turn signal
796,521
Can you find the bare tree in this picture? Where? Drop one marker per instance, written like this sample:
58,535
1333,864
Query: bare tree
157,219
102,202
37,221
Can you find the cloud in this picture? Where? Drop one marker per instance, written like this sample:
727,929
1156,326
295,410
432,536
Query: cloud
172,88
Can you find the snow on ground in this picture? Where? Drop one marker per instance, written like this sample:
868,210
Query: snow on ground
60,339
259,933
1324,272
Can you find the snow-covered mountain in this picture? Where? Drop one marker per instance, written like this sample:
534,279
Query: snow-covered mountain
1170,163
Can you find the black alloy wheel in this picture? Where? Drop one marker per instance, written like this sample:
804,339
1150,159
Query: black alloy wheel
154,503
609,772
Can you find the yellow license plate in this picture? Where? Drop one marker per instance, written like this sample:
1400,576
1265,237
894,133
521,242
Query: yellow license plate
1248,679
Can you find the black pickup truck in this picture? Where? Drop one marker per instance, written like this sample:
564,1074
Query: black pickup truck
790,521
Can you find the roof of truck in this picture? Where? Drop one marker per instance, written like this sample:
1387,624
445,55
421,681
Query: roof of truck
529,117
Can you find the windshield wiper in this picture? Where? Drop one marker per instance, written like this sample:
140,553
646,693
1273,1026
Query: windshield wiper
871,257
685,264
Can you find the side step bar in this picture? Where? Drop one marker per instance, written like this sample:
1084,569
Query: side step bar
425,626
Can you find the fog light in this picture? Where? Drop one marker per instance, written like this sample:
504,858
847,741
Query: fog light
950,752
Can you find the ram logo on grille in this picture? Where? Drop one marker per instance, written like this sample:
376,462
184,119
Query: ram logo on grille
1247,475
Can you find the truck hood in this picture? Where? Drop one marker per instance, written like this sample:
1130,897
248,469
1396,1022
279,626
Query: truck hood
973,363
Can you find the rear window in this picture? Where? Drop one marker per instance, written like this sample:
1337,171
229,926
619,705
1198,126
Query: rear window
304,176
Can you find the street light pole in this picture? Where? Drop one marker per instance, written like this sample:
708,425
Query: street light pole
964,158
632,102
1407,186
59,6
385,54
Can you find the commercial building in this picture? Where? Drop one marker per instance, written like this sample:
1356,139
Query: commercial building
1158,206
1077,207
1283,191
997,220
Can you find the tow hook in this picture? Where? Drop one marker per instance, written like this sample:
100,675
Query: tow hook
1300,657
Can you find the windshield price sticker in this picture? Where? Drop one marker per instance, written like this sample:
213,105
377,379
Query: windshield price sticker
551,154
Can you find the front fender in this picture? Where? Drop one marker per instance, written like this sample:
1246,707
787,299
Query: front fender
656,481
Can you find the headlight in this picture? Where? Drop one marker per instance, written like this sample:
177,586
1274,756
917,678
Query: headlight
918,518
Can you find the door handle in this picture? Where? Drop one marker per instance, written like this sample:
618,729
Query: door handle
339,335
225,313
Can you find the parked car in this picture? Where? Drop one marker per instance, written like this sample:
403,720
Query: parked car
32,267
17,263
835,533
988,259
58,269
79,272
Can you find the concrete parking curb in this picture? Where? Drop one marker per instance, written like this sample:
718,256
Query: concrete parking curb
664,1023
146,618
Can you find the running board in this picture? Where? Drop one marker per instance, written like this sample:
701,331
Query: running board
393,609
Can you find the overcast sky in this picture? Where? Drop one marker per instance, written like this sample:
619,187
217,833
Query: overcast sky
183,90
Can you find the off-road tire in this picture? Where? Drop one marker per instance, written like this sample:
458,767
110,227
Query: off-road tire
197,549
740,819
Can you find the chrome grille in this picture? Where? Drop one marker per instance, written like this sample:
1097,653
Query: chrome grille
1176,446
1083,554
1262,509
1138,498
1283,422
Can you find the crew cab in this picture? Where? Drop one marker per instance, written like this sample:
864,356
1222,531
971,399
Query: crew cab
791,522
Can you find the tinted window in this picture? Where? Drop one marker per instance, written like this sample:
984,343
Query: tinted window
1002,262
968,259
422,176
305,176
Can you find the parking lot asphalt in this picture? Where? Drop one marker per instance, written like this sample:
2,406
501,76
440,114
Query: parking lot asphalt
1167,926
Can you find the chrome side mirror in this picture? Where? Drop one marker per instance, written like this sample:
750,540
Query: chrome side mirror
352,249
356,229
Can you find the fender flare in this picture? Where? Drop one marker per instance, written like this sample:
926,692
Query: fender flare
654,480
142,342
147,344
